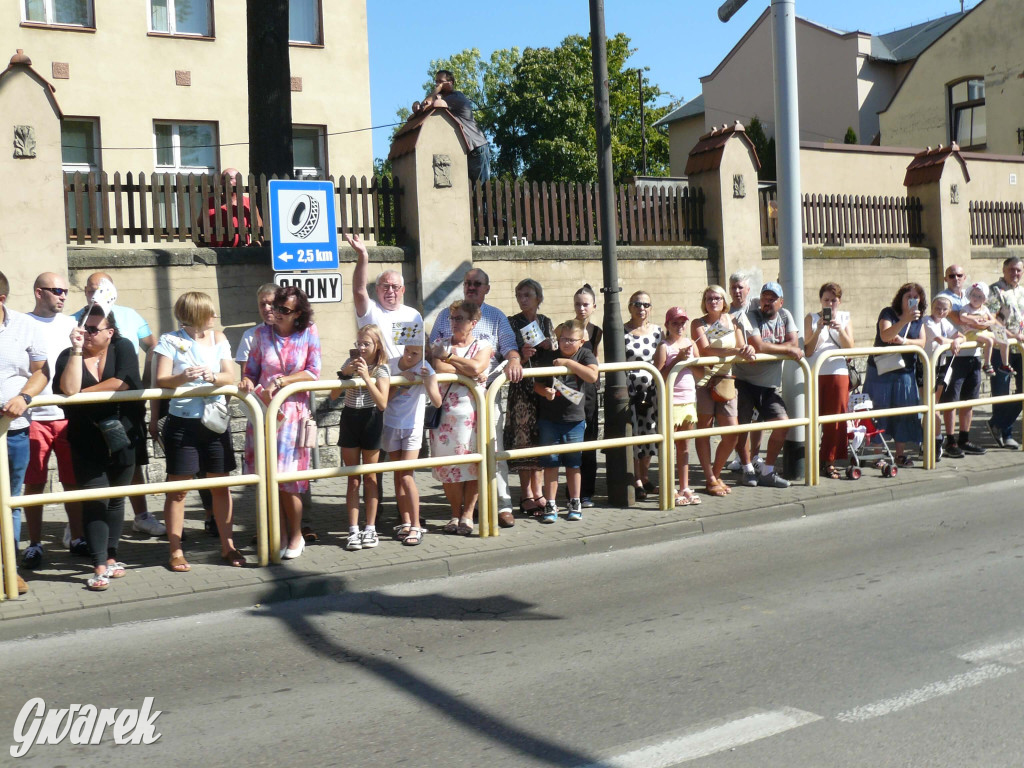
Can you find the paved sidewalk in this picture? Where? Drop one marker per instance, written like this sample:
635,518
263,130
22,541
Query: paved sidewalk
58,600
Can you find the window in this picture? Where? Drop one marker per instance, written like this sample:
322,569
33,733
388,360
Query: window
185,147
72,13
304,22
308,151
80,153
181,17
967,113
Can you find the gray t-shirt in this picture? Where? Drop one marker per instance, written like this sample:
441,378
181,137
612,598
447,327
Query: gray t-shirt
462,108
773,331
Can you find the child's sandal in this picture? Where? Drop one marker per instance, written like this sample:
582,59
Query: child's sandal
402,530
691,494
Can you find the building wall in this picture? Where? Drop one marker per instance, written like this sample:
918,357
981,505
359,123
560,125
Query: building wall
986,42
126,77
682,136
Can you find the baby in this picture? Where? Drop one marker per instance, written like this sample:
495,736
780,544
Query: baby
985,328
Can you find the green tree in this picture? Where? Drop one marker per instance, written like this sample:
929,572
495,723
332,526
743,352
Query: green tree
850,137
765,148
544,128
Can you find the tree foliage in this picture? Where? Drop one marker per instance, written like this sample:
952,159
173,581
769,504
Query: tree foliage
765,149
537,108
850,137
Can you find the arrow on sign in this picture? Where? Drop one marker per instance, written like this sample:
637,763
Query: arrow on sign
285,257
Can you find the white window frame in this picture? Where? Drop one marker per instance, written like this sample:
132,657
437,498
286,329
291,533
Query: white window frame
177,166
49,13
313,172
172,21
319,25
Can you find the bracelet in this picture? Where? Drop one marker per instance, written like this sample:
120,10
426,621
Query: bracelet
76,352
449,356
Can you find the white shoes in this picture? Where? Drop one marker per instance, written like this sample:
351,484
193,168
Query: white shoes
149,525
291,554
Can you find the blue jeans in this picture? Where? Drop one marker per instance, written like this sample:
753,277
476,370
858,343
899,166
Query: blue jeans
560,433
1005,414
17,457
479,161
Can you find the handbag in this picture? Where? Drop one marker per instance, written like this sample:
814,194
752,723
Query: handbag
114,434
215,415
723,388
856,378
889,362
432,415
307,433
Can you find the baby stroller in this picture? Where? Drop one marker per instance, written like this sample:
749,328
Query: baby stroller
865,440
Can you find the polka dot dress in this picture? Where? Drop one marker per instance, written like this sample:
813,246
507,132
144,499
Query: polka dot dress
643,395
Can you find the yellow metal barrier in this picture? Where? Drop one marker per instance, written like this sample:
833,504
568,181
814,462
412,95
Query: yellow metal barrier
7,502
926,408
275,478
936,408
662,438
669,471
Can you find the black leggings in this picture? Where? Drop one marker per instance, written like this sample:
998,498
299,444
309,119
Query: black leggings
103,518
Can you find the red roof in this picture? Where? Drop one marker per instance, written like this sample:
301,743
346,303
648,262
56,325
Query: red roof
408,134
926,167
707,154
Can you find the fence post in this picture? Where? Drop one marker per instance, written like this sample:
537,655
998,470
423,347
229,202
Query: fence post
945,225
724,165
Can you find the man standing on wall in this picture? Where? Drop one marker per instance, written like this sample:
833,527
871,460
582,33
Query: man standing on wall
479,153
1007,296
965,372
133,327
48,432
494,328
23,375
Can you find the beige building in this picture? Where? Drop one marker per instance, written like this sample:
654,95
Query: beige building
967,86
160,85
845,78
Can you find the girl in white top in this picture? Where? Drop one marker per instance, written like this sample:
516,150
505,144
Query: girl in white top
674,348
830,329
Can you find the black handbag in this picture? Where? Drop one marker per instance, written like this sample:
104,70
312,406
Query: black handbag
432,416
114,434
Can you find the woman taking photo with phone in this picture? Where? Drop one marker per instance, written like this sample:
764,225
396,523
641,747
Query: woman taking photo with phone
826,330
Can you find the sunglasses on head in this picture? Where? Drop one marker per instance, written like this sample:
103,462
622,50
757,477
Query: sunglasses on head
55,291
279,310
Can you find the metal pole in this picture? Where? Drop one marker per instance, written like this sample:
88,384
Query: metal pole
643,120
791,262
616,396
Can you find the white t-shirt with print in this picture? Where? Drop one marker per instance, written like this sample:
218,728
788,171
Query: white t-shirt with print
405,410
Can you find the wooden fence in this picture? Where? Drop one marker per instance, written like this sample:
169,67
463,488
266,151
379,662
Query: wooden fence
845,219
169,207
996,223
568,213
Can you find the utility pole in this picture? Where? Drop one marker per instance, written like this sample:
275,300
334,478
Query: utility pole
791,255
616,395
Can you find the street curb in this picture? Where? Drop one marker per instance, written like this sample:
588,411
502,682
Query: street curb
283,585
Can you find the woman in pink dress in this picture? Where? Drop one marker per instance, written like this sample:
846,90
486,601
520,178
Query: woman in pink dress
285,353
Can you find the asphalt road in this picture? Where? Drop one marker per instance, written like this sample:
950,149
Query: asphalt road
880,636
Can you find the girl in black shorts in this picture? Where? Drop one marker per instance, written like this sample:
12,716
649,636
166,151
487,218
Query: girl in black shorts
362,420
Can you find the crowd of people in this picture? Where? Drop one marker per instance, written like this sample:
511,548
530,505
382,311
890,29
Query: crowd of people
103,444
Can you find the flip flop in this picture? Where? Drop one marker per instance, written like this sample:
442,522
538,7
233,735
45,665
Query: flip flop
235,558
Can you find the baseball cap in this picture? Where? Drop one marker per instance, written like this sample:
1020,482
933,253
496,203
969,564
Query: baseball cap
773,287
675,313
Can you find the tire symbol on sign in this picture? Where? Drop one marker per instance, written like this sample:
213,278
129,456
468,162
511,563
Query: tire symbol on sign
303,216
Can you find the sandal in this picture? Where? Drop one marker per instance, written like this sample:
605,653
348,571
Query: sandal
830,471
178,564
453,525
682,500
116,570
402,530
904,461
234,557
414,537
537,506
690,494
309,535
465,527
714,489
98,582
641,492
722,486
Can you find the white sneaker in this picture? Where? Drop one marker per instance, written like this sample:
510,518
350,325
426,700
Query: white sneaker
369,539
734,466
355,541
149,525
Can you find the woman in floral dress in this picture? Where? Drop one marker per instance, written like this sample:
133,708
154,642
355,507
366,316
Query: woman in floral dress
285,353
463,354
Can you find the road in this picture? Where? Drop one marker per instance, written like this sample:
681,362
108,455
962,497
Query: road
881,636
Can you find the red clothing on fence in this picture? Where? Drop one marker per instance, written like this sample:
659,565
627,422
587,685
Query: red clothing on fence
224,208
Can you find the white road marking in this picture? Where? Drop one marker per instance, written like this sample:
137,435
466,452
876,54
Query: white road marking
931,691
711,740
1011,652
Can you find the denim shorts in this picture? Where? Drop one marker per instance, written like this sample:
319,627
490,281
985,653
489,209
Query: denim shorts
558,433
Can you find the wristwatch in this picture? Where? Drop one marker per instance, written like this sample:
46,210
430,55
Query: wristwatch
28,398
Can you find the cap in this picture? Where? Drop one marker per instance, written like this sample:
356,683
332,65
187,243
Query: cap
773,287
979,287
675,313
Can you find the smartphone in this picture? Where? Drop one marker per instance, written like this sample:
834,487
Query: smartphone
913,303
826,315
353,353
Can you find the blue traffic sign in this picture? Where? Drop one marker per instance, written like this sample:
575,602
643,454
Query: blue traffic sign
303,228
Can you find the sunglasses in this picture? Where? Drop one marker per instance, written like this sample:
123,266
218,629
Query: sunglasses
92,330
279,310
642,304
55,291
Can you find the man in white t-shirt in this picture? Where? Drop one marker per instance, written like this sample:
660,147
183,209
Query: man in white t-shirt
48,431
388,308
134,327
